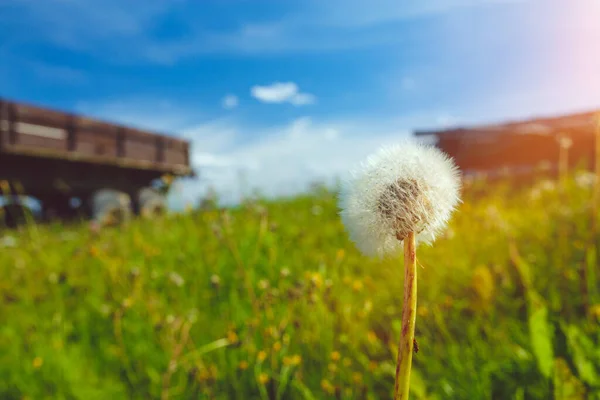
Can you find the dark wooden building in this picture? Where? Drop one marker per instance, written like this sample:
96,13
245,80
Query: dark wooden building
520,147
56,156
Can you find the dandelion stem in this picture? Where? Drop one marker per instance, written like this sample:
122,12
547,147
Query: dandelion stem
409,311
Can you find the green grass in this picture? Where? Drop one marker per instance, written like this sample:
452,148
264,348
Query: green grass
271,301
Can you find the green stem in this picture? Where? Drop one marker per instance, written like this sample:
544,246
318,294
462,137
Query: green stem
409,312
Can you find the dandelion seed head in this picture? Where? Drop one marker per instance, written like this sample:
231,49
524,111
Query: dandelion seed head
408,187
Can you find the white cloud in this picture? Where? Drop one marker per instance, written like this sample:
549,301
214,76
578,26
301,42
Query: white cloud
285,160
276,93
282,92
213,136
446,120
230,102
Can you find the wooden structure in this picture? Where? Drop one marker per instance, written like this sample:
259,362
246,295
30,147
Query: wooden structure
520,147
55,156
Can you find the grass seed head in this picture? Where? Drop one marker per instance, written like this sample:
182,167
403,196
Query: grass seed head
408,187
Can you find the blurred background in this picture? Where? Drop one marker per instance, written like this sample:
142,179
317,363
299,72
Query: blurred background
227,125
275,95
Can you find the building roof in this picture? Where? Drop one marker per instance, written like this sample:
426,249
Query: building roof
584,121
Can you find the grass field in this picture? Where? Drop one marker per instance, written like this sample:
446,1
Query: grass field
271,301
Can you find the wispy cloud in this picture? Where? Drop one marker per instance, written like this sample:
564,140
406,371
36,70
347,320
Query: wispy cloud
286,159
124,32
230,102
282,92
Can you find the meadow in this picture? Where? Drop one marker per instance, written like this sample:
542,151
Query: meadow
270,300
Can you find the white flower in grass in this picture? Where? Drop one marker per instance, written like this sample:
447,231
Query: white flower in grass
585,179
408,187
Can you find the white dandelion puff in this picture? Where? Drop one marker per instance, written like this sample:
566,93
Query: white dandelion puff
402,195
404,188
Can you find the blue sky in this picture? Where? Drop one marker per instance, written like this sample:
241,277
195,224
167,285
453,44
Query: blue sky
279,93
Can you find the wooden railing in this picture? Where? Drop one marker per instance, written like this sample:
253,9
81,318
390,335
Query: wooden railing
43,132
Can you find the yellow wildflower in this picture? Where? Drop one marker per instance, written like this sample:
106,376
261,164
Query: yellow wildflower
335,356
37,362
293,360
357,286
595,311
243,365
328,387
203,375
357,377
317,280
263,378
262,355
271,331
372,337
232,337
94,252
276,346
